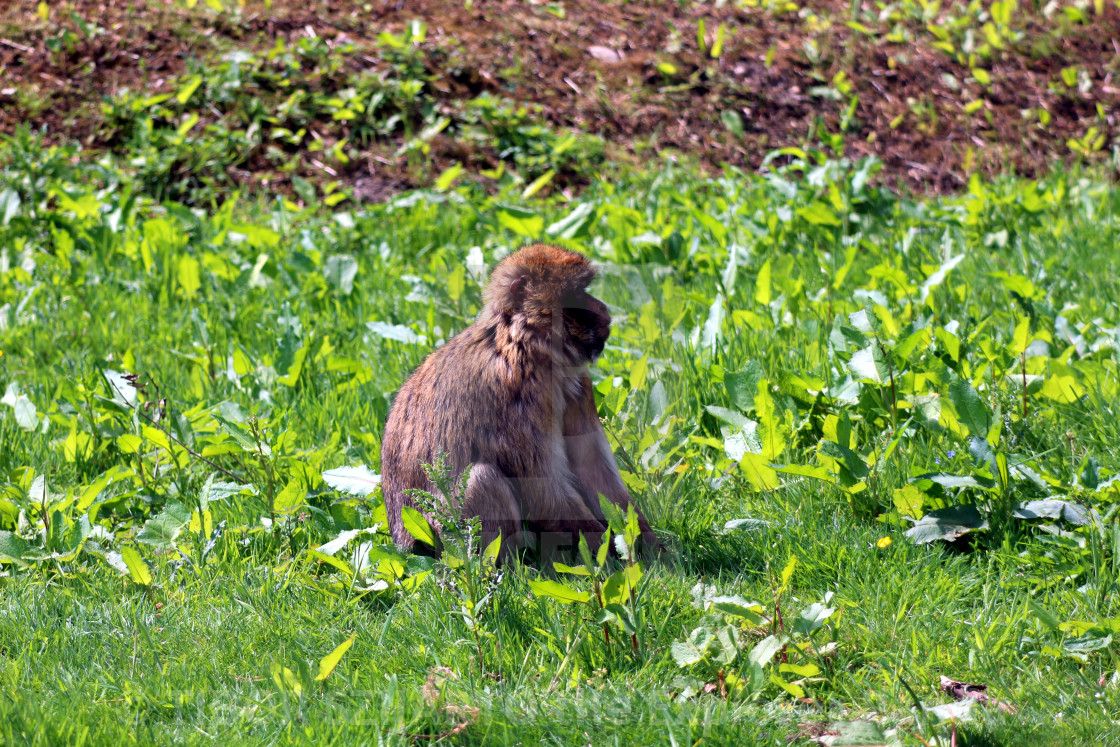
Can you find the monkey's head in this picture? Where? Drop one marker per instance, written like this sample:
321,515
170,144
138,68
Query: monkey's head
545,286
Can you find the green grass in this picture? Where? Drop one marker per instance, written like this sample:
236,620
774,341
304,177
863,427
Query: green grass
253,335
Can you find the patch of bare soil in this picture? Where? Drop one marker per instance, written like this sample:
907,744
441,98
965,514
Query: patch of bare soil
631,72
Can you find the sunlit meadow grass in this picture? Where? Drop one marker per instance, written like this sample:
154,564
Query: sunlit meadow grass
763,366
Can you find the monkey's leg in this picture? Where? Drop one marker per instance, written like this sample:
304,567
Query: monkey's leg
491,497
592,463
557,515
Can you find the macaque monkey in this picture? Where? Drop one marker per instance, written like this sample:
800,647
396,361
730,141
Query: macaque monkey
510,399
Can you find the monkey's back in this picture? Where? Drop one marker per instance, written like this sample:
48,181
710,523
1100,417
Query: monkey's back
463,400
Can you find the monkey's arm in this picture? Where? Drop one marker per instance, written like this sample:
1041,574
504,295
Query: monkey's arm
591,460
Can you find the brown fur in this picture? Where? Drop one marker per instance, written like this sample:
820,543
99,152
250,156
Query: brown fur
510,399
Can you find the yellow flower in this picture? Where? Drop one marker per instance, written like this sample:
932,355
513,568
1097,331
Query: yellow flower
884,542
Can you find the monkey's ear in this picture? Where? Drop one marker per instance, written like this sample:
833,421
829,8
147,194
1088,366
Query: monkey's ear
518,290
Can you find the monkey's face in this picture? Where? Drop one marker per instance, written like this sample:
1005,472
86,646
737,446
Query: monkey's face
587,325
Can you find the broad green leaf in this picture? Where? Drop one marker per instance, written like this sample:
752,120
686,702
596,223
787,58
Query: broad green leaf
947,524
713,326
742,385
585,554
758,472
938,277
456,282
795,690
864,321
359,481
291,498
448,177
616,520
201,523
731,417
870,364
1063,389
739,607
162,530
137,568
819,214
27,417
806,470
908,501
742,441
686,653
969,408
765,649
915,343
950,342
762,285
189,86
339,542
341,270
1091,642
1053,508
522,222
960,711
1016,284
417,526
291,375
537,185
558,591
621,585
331,660
852,462
9,205
285,678
604,547
575,570
800,670
638,372
772,428
332,561
787,573
241,435
574,224
736,255
619,614
13,547
733,121
156,436
633,530
490,552
1021,337
396,332
91,492
811,618
216,490
112,559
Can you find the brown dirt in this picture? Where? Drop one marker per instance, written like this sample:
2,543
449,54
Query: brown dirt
522,51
